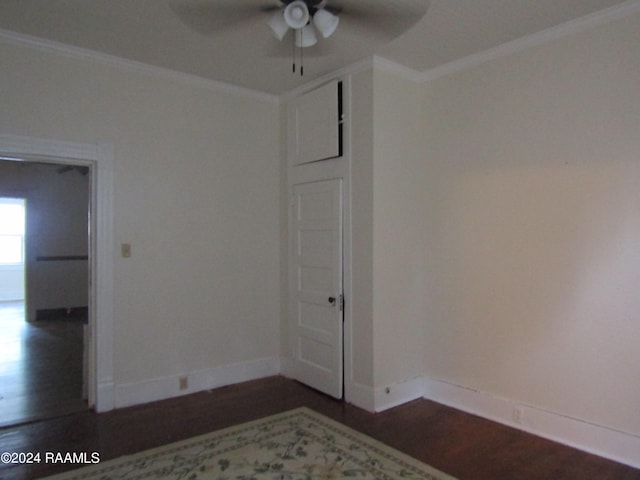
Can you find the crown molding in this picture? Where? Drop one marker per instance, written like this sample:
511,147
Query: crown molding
571,27
398,69
630,7
625,9
50,46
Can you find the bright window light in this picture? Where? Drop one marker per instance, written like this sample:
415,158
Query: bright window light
12,214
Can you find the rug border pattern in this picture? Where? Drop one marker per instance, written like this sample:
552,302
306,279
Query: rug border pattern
384,451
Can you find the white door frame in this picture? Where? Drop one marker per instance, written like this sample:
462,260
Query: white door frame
335,168
99,157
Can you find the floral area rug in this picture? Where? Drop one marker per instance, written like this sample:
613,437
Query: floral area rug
295,445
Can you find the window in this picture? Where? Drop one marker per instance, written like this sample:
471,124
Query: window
12,231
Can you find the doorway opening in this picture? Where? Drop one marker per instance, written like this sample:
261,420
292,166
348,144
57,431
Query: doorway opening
44,307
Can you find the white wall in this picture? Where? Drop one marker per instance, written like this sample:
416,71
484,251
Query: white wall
361,144
399,254
389,259
534,170
196,194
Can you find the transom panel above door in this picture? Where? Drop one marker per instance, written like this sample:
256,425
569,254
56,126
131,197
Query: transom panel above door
316,125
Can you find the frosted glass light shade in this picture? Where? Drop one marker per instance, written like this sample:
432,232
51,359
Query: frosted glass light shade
326,22
306,36
278,26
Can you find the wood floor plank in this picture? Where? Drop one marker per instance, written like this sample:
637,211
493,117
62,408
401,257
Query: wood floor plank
40,366
460,444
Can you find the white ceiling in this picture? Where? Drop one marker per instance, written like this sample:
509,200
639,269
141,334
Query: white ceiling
247,55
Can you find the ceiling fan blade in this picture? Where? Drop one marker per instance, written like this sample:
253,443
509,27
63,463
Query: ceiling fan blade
212,16
382,17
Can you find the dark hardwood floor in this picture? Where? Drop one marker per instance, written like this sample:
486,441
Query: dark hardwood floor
462,445
40,366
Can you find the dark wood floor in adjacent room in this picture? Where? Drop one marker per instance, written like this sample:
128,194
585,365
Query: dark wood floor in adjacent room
462,445
41,372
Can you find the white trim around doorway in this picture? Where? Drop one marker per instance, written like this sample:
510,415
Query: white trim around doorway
100,158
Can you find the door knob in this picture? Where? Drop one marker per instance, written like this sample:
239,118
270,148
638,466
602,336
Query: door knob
332,300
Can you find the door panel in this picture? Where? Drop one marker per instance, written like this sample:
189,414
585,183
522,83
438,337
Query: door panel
316,329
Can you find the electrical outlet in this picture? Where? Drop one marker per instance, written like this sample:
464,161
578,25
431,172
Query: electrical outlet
518,415
184,383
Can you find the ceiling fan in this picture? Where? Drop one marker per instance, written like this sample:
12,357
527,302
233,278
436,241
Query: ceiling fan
304,17
304,21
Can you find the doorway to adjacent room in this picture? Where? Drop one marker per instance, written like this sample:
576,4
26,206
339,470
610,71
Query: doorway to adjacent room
43,290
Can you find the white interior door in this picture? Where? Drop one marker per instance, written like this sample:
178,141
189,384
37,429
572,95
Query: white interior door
316,285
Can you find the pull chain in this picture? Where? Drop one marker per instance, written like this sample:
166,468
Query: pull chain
293,51
293,66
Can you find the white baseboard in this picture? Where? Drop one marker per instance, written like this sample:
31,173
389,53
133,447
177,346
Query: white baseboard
619,446
167,387
396,394
360,395
383,398
105,398
286,367
602,441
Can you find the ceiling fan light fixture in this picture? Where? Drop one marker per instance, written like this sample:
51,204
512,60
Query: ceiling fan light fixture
296,14
278,25
306,36
326,22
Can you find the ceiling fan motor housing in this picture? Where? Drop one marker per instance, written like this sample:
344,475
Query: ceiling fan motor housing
312,5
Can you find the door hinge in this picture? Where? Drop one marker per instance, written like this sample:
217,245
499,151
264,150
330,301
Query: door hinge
341,302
